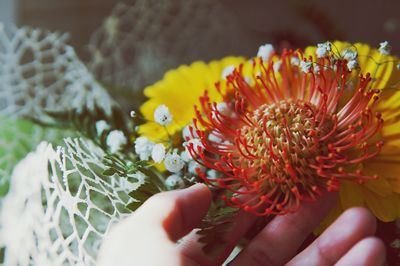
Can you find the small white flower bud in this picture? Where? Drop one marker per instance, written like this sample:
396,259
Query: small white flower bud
158,153
173,162
162,115
265,52
115,140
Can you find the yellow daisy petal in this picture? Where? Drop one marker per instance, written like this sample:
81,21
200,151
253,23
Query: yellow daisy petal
350,195
179,90
384,208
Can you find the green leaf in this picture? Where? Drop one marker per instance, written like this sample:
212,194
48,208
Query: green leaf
18,137
215,226
141,194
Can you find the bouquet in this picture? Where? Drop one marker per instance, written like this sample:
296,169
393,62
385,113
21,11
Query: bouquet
265,133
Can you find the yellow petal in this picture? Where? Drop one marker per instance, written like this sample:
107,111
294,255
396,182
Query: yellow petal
390,172
180,90
350,195
384,208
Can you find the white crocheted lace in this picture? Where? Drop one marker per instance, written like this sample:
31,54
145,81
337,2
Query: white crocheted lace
59,207
40,73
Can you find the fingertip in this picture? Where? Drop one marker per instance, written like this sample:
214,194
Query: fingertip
368,251
191,205
363,216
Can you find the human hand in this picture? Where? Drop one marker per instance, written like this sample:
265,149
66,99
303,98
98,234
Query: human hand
149,236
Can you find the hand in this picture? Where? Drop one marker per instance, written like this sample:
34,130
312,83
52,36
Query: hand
149,236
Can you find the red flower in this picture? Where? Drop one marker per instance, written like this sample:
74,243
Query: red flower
284,136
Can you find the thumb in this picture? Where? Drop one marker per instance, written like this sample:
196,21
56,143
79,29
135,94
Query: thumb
177,212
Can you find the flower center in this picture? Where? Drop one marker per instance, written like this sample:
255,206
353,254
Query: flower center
284,143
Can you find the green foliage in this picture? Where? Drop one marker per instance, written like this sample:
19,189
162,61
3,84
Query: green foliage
18,137
214,227
121,166
84,122
141,194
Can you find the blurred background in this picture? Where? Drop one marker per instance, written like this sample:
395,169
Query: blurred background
130,44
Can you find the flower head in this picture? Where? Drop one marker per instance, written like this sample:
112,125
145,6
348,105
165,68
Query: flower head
144,148
384,48
291,135
265,51
116,140
173,162
101,125
162,115
158,153
323,49
346,104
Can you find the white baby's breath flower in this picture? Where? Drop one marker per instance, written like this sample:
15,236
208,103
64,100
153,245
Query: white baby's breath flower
132,114
323,49
101,125
186,157
223,108
265,51
305,66
115,140
162,115
349,54
212,174
352,64
186,134
173,162
158,153
197,144
213,136
143,148
193,166
277,65
316,68
295,61
227,71
385,48
174,181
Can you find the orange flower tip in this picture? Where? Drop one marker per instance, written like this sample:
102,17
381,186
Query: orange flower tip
247,208
263,198
235,200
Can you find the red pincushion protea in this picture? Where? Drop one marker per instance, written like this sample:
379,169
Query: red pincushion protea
284,136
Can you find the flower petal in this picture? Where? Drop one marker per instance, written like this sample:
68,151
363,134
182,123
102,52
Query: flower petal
384,208
350,195
184,86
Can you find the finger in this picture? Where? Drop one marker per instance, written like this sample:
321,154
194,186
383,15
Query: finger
352,226
368,252
279,241
192,248
177,212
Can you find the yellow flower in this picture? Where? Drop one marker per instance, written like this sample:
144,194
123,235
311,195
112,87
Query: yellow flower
181,88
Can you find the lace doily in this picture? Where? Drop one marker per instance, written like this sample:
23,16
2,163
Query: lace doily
40,73
59,207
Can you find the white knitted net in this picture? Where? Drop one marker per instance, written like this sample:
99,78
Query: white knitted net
40,73
59,206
